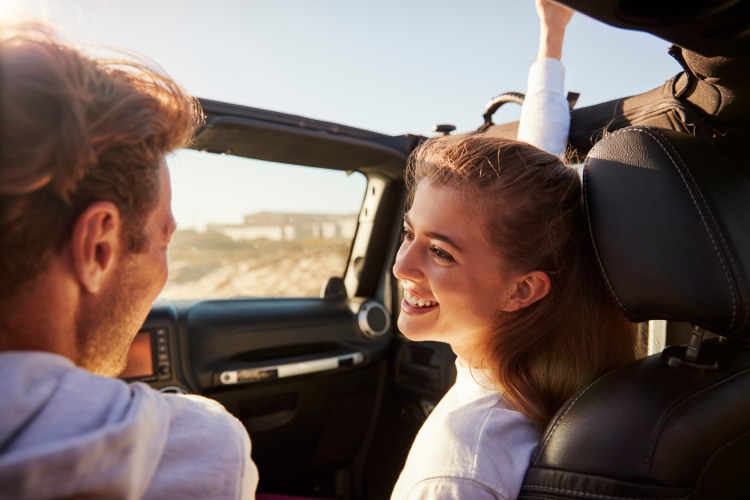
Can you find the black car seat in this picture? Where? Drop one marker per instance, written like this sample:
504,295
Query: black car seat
670,219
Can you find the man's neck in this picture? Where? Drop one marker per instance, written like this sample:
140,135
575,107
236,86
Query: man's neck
42,318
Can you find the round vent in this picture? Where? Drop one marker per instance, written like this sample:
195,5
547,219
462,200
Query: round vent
374,319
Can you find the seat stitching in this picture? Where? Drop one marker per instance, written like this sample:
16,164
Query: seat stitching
705,224
595,495
593,242
672,408
721,236
540,449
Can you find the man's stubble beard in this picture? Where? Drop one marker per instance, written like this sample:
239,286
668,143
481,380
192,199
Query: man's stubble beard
107,327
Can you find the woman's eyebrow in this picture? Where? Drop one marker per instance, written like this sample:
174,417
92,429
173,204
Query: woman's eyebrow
442,237
435,236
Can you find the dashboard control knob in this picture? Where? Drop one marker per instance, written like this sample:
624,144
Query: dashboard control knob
164,369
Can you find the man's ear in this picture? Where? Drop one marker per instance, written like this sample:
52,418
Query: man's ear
95,244
528,289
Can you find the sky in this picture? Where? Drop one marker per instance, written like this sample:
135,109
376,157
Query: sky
391,66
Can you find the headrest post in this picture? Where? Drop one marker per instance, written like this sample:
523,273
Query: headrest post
688,357
691,354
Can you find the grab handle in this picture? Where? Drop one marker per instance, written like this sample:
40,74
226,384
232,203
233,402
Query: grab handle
283,370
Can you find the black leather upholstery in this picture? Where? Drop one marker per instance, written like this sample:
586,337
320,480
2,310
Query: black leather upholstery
670,219
650,430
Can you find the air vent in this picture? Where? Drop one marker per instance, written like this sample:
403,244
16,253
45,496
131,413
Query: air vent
374,319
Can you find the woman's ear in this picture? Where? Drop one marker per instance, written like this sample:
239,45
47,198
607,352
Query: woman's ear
95,244
528,289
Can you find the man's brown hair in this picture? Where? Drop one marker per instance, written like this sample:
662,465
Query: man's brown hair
75,130
531,208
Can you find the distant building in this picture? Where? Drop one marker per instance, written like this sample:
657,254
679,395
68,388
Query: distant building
289,227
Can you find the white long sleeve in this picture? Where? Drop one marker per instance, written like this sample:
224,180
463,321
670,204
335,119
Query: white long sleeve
545,114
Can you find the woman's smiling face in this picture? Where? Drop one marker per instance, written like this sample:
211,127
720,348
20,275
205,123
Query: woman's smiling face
446,263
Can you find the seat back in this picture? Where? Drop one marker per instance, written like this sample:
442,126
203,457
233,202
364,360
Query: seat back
670,220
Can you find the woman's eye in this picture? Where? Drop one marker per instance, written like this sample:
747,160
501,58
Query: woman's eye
406,235
440,254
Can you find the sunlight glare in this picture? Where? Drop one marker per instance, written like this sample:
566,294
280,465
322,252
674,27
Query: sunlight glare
13,10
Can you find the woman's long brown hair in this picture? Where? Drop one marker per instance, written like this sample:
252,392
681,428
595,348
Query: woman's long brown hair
531,205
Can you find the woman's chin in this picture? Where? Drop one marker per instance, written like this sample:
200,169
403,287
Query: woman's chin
415,328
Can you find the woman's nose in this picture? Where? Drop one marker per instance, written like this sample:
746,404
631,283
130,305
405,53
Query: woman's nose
408,266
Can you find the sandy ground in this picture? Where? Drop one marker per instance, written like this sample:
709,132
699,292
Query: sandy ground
209,265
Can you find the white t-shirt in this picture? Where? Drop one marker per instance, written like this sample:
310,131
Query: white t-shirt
472,446
67,433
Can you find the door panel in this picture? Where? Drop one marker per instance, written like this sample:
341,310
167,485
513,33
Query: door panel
240,334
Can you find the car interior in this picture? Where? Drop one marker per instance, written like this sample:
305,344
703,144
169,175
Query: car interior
333,395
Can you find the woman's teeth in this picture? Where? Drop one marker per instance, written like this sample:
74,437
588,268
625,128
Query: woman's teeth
415,302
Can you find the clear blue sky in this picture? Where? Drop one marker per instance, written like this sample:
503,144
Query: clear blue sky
389,66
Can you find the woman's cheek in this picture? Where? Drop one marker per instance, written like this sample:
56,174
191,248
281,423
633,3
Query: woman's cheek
461,301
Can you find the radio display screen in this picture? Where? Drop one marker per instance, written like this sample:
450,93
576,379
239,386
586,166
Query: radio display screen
140,359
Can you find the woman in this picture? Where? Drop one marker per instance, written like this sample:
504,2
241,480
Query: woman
497,261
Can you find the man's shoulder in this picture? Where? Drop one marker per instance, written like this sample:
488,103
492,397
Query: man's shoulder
59,419
48,395
207,452
205,414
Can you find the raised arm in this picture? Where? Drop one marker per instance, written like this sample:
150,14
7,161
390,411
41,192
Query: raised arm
545,116
553,19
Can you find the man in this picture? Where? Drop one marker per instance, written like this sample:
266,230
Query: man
85,221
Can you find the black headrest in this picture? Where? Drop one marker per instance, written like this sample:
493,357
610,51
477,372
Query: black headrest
670,220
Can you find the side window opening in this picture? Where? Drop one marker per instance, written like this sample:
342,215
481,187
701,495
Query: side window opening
251,228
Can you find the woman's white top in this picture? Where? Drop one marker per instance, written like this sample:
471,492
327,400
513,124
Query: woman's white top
545,114
472,446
